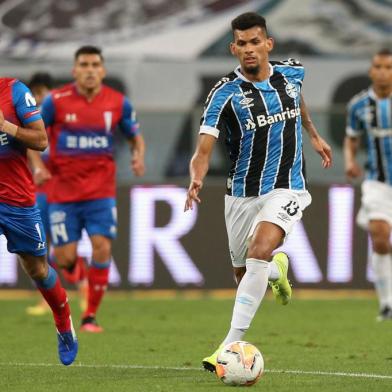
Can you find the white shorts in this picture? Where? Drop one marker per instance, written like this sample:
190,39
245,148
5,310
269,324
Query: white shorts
376,203
282,207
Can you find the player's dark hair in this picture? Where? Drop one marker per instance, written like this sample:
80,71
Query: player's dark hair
248,20
41,79
384,52
89,49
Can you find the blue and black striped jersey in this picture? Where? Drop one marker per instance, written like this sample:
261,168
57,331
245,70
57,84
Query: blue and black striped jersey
372,115
262,125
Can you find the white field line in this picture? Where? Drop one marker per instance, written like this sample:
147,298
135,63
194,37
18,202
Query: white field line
280,371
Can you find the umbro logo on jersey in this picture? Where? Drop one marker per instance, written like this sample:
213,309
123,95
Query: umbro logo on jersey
246,103
70,117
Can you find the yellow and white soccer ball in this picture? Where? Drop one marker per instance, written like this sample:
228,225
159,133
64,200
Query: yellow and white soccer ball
239,363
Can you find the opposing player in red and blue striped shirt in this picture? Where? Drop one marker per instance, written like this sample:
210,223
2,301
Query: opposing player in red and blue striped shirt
82,118
22,127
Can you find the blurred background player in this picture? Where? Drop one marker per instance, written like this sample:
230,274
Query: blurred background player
260,106
20,221
370,112
82,118
40,85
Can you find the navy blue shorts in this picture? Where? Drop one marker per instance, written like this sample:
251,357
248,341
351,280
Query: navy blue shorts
23,228
68,219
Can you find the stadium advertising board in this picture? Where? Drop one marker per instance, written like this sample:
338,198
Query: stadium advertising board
160,246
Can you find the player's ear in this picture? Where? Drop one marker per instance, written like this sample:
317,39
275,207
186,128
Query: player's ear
233,49
270,44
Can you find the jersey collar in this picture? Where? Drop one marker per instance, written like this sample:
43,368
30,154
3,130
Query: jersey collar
238,72
373,95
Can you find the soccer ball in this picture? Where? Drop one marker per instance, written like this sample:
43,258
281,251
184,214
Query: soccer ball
239,363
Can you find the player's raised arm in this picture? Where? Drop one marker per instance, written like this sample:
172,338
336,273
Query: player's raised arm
198,168
318,143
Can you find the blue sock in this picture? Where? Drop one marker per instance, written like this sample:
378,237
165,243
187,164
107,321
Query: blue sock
97,265
50,280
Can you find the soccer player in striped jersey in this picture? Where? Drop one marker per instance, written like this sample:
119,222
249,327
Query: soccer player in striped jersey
21,127
370,112
260,109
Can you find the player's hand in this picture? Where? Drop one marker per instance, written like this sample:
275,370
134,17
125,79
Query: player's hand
193,194
41,175
353,170
137,165
323,149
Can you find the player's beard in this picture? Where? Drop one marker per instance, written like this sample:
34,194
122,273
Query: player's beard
252,70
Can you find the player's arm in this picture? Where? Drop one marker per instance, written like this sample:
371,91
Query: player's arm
32,135
41,174
130,128
318,143
138,148
352,141
350,149
198,168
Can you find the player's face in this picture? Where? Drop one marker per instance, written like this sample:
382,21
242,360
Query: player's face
89,71
251,47
381,71
40,92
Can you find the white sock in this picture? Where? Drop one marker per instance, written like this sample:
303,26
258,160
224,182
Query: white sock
250,292
274,273
382,269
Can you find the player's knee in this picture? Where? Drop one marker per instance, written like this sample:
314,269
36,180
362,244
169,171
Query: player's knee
36,271
260,251
381,245
102,250
65,260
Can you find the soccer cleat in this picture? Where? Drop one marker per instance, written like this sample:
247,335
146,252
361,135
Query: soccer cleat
209,363
385,314
38,310
67,346
89,324
281,287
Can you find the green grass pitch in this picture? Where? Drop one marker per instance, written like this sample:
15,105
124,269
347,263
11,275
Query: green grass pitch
157,345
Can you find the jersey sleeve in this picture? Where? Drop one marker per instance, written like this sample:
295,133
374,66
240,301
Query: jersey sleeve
354,124
48,110
212,122
24,103
291,69
128,122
